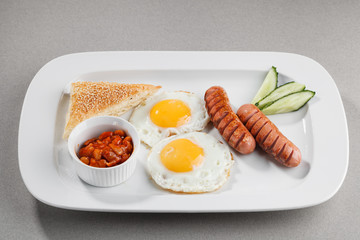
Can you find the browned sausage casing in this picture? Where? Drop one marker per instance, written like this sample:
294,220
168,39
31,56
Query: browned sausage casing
268,136
226,121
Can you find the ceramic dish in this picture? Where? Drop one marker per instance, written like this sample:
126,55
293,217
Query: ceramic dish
93,127
256,183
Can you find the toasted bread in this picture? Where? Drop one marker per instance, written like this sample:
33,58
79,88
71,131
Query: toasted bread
90,99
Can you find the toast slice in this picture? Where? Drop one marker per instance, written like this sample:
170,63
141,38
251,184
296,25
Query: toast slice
90,99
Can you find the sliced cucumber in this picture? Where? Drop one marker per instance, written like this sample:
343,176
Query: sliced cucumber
280,92
289,103
268,85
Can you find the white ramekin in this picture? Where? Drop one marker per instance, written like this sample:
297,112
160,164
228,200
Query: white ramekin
93,127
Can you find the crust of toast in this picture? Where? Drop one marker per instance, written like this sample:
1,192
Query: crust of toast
90,99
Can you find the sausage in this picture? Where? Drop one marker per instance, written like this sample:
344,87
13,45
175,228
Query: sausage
268,136
225,120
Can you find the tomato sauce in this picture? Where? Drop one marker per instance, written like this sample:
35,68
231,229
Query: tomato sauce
107,150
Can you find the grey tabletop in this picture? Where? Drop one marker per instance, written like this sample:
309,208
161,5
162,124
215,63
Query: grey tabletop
34,32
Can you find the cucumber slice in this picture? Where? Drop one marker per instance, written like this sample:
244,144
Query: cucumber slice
280,92
289,103
268,85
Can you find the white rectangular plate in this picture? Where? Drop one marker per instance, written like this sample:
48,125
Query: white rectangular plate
256,182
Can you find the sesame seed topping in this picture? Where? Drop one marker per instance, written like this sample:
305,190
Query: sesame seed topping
93,97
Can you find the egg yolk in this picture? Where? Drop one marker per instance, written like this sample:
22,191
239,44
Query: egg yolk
170,113
181,155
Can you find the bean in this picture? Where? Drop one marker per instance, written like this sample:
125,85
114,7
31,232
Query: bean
116,140
107,140
105,135
97,154
86,151
120,133
102,163
109,155
128,146
89,141
119,150
93,162
109,149
125,157
85,160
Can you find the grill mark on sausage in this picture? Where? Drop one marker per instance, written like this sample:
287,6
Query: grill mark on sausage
272,145
262,134
213,102
290,156
216,115
217,122
211,94
212,90
280,152
251,120
216,108
265,137
222,117
250,127
222,129
227,136
255,134
239,140
249,117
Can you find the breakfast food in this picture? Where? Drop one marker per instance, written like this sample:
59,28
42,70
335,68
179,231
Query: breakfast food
182,159
190,163
226,121
274,99
107,150
280,92
289,103
169,113
90,99
268,136
268,85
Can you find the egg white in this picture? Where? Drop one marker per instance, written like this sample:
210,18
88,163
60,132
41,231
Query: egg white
209,176
151,134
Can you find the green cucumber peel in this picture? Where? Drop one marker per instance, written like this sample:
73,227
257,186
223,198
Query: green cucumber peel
269,84
279,92
289,103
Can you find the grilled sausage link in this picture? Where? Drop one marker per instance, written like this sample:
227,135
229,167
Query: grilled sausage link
226,121
268,136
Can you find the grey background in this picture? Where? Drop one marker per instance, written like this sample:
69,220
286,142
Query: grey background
34,32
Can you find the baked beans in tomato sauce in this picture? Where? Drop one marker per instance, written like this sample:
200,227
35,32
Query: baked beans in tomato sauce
107,150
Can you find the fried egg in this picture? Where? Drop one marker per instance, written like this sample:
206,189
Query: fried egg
190,163
167,114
